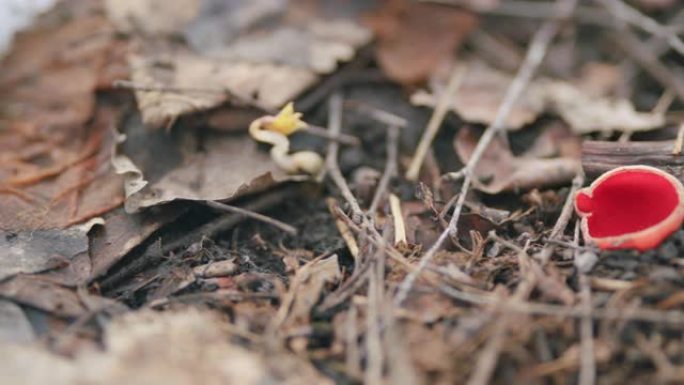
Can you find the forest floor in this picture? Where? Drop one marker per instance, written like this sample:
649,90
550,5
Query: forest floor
148,238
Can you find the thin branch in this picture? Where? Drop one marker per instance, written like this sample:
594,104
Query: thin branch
533,58
345,233
390,168
381,116
488,358
587,372
342,138
643,55
374,351
626,13
353,356
566,212
335,127
642,315
529,10
443,106
252,214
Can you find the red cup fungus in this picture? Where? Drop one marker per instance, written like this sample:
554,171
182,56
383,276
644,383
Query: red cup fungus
631,207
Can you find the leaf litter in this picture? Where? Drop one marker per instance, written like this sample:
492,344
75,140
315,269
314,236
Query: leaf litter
585,104
180,292
238,51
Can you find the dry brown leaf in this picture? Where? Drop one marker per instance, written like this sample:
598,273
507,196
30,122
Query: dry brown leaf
587,114
185,165
585,103
54,166
481,94
121,233
499,170
46,295
415,39
245,49
306,289
205,83
40,250
57,181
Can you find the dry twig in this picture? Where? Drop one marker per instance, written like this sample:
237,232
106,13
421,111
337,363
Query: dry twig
566,212
335,127
533,58
587,373
252,214
390,168
626,13
374,351
438,114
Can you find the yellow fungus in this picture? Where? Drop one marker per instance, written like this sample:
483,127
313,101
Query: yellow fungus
274,130
287,121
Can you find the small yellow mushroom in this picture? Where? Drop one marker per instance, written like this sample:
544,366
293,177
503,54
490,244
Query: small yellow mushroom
274,130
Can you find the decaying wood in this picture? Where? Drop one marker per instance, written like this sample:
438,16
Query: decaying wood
599,157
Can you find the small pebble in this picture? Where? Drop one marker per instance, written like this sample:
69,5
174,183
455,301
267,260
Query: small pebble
216,269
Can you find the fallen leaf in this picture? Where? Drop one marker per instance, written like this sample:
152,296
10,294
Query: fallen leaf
414,39
186,165
49,77
121,233
67,180
14,326
40,250
55,146
305,290
249,50
499,170
585,104
587,114
43,294
203,83
480,95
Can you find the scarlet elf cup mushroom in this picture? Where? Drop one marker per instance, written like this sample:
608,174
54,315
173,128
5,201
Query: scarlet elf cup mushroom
631,207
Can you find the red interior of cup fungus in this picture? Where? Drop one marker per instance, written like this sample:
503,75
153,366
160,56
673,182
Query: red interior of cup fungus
628,202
